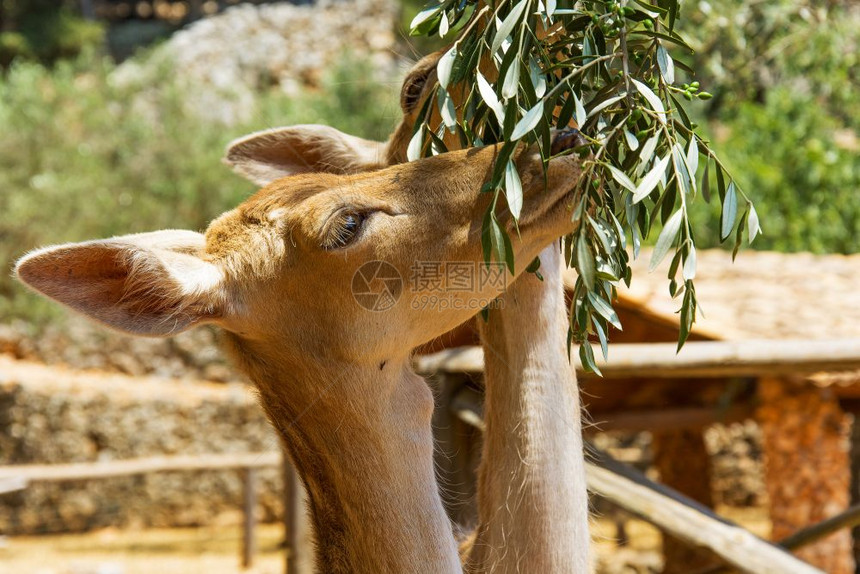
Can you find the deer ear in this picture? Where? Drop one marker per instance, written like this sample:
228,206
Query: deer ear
263,157
151,284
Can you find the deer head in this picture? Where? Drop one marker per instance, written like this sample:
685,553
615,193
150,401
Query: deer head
281,266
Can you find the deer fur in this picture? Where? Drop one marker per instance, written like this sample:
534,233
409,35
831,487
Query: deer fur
335,378
532,498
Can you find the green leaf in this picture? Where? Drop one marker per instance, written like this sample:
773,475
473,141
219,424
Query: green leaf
513,190
504,30
682,171
528,122
424,16
632,142
413,151
649,182
537,77
446,109
667,66
446,65
490,98
689,271
666,239
585,262
580,111
486,236
497,239
604,341
651,98
647,152
604,309
511,83
621,178
604,104
706,182
693,157
586,357
729,213
753,224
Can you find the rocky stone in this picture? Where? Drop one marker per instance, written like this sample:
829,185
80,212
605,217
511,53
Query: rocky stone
226,59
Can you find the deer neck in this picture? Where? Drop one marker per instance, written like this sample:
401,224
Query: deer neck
360,438
533,435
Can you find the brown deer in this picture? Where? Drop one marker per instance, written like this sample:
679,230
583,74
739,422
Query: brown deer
276,274
532,499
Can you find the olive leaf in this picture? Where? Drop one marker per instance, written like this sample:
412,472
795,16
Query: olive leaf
527,68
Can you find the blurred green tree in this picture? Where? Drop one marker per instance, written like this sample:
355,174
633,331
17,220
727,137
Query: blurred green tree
46,30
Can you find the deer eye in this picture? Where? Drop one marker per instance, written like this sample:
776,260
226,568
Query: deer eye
344,229
413,87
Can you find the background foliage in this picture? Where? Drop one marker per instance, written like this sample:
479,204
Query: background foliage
103,158
106,158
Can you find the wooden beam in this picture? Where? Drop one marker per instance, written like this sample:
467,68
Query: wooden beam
846,519
670,419
89,470
676,514
699,359
687,520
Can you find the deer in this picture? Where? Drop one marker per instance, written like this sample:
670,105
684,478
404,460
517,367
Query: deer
276,274
531,490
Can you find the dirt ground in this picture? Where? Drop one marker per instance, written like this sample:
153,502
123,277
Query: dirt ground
215,550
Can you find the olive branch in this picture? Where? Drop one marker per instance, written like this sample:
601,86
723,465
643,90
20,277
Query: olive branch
606,67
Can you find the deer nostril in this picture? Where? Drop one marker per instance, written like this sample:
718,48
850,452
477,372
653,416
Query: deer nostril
567,139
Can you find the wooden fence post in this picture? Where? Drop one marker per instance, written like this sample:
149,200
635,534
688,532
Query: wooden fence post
298,559
249,503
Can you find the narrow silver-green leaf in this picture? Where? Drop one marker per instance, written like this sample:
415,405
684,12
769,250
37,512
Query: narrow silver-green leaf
667,66
604,309
604,104
604,342
650,180
730,212
443,25
666,239
693,157
511,83
585,262
528,122
513,189
446,65
580,111
689,270
651,98
621,178
632,142
507,26
753,224
682,172
413,150
446,110
489,96
423,16
537,77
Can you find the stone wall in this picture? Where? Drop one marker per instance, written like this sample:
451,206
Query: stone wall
227,58
53,415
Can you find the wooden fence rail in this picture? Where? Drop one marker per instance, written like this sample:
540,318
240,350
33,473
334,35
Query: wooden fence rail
17,477
699,359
